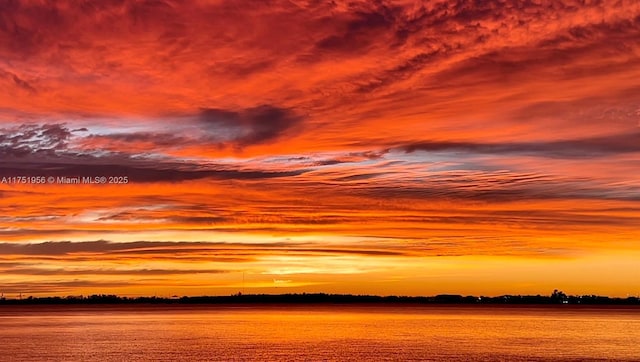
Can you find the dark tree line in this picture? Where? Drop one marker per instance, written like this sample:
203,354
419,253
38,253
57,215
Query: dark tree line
557,297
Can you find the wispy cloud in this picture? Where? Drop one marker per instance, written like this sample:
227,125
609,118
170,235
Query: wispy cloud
573,148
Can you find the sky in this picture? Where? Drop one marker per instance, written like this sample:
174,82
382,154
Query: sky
365,147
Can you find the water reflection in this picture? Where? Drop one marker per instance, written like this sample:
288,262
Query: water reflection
351,333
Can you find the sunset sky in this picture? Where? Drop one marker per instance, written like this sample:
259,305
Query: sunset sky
376,147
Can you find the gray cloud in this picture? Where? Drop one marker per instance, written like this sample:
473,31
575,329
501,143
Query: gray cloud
176,249
52,287
43,150
127,272
29,139
136,171
572,148
248,126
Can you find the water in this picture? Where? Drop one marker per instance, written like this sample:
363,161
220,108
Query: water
318,333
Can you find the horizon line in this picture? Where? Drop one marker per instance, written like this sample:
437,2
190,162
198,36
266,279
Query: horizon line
557,297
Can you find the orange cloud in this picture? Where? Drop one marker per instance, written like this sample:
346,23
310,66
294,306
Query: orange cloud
352,146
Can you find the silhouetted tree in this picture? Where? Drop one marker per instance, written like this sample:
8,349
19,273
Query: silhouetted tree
558,296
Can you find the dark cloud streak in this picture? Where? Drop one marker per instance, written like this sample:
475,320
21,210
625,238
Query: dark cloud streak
249,126
42,150
576,148
220,249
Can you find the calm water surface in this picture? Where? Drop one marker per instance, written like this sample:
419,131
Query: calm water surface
318,333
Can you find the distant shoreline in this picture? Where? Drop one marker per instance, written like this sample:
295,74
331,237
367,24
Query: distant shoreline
330,299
